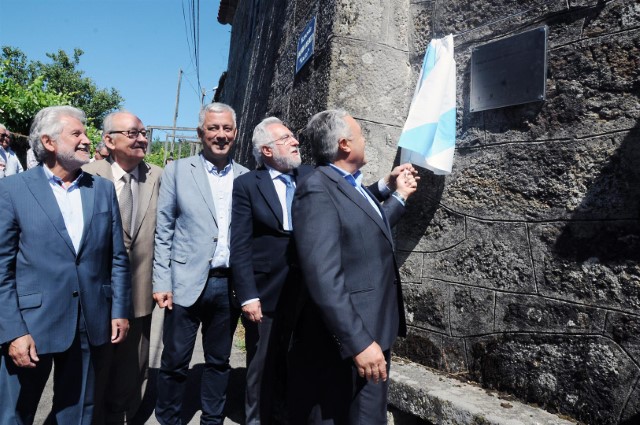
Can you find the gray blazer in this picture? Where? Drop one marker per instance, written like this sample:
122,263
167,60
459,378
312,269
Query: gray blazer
186,231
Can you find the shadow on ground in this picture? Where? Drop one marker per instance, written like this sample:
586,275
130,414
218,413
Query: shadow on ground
234,408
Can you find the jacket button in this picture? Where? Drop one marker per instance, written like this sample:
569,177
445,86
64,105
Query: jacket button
74,293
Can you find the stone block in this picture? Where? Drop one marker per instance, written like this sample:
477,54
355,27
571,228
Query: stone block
533,313
494,255
591,263
410,265
428,227
361,82
471,310
433,350
587,377
624,329
380,149
375,21
427,305
595,179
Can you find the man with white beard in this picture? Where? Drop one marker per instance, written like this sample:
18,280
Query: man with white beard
262,255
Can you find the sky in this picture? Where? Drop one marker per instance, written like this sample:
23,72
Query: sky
134,46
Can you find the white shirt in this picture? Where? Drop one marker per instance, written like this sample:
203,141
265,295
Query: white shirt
118,172
221,185
281,190
70,204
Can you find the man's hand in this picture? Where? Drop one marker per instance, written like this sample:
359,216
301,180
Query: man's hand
22,351
402,170
371,363
406,184
119,330
253,311
164,299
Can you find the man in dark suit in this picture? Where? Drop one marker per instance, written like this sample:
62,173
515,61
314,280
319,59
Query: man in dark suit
191,267
64,274
354,308
262,256
123,379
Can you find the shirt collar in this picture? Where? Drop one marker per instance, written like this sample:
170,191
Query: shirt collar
213,169
58,181
118,172
354,179
273,172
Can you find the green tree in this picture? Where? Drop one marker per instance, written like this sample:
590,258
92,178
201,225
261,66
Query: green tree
60,82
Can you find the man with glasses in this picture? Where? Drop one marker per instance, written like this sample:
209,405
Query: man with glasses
191,267
123,377
262,255
7,155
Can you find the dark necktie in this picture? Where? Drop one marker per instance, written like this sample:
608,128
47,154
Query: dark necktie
126,204
288,181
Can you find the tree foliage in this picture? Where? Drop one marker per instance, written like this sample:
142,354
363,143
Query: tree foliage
28,86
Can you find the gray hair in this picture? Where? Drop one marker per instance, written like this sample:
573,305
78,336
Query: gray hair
101,144
261,137
107,122
218,108
323,132
48,122
2,127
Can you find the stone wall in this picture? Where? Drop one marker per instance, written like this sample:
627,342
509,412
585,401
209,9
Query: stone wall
520,269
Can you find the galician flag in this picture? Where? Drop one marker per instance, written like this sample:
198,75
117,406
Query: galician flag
429,135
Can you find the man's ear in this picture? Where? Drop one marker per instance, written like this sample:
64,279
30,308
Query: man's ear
108,140
343,145
48,143
266,151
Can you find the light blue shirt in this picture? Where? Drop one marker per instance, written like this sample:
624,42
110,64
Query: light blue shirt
70,204
221,185
355,180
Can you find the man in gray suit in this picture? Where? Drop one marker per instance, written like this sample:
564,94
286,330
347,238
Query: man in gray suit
123,379
354,306
191,267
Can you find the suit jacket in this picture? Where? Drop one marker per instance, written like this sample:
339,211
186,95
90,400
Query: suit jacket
139,245
346,254
262,252
42,277
187,230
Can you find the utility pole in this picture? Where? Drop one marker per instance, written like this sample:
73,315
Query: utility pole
175,117
202,99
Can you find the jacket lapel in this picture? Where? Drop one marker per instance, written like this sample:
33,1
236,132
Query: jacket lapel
199,174
88,201
268,192
39,186
145,191
356,197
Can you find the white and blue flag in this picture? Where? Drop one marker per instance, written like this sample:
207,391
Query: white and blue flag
429,135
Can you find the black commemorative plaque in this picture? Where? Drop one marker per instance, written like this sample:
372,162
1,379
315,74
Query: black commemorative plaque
511,71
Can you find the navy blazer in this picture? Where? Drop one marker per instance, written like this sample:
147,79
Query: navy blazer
346,255
262,252
43,281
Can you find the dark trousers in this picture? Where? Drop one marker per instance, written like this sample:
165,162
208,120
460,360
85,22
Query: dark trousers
338,395
122,375
214,312
266,370
73,384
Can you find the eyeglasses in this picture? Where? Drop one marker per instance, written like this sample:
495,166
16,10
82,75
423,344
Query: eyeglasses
5,136
286,140
131,134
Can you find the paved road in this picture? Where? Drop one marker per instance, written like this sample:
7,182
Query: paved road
191,411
